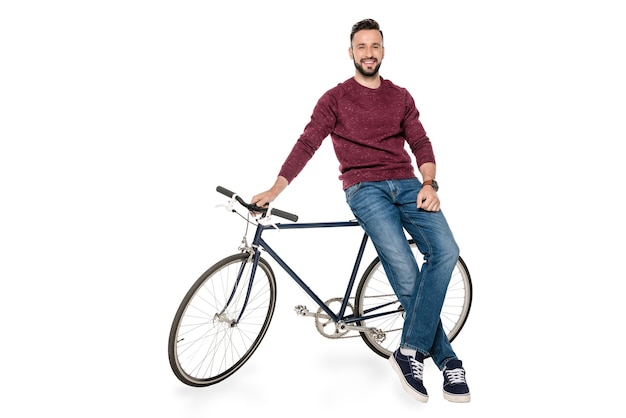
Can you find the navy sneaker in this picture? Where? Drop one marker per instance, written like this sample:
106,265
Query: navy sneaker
455,387
411,372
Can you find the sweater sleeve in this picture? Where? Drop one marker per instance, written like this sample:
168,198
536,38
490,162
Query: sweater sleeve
415,134
319,127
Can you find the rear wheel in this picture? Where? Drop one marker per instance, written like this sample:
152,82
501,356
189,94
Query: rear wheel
375,295
208,340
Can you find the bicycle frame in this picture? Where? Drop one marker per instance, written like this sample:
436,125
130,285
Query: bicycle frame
259,245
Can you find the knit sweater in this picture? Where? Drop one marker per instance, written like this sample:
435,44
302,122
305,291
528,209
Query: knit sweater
369,129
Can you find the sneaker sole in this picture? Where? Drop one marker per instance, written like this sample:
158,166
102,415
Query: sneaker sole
407,388
456,398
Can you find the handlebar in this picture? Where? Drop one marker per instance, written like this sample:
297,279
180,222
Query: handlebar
254,208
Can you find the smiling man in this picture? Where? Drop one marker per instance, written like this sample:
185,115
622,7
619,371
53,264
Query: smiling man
367,55
370,120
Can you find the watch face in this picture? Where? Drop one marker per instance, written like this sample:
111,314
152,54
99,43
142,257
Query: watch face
435,185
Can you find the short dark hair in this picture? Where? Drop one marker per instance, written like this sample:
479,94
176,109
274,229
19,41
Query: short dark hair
365,24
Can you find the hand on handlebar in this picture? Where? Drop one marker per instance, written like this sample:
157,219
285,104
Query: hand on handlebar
255,206
263,199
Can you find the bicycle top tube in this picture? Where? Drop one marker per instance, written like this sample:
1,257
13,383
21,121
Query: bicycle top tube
311,225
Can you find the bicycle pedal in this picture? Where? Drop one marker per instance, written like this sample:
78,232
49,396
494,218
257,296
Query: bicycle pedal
301,310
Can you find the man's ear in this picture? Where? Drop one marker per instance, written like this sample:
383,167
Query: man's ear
351,54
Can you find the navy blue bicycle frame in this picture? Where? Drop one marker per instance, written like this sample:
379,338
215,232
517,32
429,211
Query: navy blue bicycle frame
259,243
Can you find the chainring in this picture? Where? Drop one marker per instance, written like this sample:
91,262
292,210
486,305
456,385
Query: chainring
326,326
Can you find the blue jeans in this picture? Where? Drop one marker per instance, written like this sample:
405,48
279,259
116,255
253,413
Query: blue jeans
385,210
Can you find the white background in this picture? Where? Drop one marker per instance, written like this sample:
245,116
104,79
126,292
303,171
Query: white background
119,118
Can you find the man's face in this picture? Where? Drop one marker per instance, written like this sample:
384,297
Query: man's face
367,51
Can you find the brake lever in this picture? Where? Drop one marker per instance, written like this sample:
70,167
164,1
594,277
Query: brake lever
229,206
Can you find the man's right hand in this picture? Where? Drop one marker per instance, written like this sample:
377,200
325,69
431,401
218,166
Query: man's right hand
268,196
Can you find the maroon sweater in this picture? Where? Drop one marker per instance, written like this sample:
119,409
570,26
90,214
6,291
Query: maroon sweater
368,128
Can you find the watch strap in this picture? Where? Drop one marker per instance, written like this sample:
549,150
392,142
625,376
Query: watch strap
432,183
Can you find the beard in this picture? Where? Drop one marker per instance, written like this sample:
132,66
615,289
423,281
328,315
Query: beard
367,73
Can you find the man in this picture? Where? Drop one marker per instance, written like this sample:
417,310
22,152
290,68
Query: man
369,120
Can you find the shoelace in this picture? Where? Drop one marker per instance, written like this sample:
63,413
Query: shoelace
417,368
456,376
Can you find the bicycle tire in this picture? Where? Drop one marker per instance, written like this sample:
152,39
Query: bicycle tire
374,289
206,343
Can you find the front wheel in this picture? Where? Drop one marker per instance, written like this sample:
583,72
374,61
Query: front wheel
376,299
210,338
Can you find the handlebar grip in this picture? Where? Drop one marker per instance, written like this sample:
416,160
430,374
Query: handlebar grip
225,191
285,215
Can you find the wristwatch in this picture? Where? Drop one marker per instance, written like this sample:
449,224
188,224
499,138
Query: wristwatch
432,183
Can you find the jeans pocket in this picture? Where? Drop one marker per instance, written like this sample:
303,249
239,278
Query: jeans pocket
351,191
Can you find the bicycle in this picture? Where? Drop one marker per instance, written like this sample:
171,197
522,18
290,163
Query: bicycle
225,314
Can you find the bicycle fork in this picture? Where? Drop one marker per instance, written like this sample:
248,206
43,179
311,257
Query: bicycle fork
221,316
